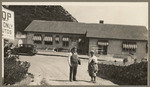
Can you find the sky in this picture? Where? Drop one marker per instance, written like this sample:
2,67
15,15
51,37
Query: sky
126,13
111,13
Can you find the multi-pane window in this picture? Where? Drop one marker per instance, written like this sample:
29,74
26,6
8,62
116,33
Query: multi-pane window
102,43
57,39
48,40
65,41
102,47
129,46
37,38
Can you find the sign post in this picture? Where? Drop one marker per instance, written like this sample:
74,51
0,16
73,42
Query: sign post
7,30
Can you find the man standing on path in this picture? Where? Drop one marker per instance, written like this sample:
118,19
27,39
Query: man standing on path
73,61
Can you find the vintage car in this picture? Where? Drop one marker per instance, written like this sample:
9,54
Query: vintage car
29,49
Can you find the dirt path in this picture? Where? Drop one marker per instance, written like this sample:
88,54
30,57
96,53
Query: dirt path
54,70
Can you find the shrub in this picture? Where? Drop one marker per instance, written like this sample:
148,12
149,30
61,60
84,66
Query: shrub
135,74
14,71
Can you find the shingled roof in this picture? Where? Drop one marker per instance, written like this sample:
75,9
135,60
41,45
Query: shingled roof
118,32
56,27
111,31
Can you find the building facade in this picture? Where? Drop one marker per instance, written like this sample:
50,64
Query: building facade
105,39
120,48
56,41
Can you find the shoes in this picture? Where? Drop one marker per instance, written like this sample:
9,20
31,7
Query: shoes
94,81
74,80
70,80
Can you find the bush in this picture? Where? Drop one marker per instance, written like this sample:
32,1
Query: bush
135,74
14,71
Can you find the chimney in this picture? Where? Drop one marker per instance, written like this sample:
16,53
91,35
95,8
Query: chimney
101,22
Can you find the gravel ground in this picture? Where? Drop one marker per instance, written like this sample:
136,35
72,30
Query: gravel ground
54,70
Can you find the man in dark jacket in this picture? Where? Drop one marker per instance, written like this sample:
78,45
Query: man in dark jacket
73,61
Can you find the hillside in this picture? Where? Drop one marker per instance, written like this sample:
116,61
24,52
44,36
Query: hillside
25,14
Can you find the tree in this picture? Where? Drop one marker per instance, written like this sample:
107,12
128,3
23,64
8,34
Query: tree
24,15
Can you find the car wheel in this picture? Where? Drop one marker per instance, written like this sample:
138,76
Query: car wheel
30,53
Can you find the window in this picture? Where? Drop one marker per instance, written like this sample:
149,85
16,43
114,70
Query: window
25,45
57,39
65,41
102,43
129,46
48,40
37,38
102,47
29,45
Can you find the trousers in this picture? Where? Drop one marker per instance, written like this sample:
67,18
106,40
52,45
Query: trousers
73,72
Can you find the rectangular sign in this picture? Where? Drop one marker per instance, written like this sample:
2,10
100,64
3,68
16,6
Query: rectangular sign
7,24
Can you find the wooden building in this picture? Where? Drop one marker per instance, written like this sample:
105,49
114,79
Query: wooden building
105,39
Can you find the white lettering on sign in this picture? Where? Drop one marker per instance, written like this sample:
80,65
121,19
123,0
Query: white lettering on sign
7,24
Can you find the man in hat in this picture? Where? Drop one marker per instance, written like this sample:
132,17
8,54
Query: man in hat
73,61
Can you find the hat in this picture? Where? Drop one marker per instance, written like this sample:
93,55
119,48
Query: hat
92,51
73,48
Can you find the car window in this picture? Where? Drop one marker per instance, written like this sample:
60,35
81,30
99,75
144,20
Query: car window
29,45
25,45
34,46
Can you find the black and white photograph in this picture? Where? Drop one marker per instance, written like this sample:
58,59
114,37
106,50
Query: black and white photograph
75,43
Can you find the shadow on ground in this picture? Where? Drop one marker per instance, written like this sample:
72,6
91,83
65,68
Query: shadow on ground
69,81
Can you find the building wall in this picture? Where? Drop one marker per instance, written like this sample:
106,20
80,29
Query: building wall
93,44
115,48
141,50
72,42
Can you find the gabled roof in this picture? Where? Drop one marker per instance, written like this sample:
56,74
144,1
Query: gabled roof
110,31
56,27
118,31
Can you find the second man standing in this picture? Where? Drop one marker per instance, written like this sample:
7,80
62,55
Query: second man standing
73,63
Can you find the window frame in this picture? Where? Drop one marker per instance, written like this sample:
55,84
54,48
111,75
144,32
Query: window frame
129,49
48,42
65,43
37,41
